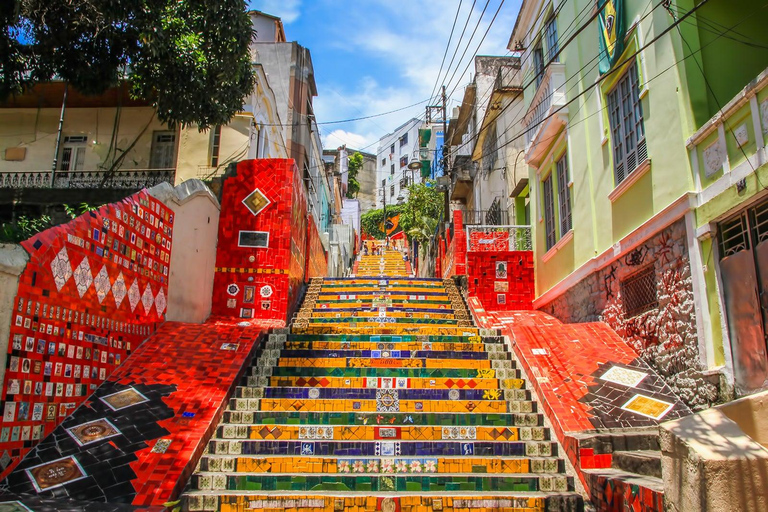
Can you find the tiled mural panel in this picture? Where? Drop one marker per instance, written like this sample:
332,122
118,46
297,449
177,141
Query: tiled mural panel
93,290
318,262
502,280
260,261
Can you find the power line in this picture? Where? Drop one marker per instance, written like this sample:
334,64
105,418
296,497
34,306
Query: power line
461,37
447,46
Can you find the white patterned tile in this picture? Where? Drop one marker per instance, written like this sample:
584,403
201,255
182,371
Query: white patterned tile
119,290
134,295
61,268
160,302
147,299
101,284
83,277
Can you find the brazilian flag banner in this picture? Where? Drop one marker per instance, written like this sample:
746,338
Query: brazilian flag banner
611,29
392,226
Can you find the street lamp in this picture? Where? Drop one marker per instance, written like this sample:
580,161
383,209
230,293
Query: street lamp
413,166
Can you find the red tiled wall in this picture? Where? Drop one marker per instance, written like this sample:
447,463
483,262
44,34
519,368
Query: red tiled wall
318,263
261,283
455,260
93,290
512,289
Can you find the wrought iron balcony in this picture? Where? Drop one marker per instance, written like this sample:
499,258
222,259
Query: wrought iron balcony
122,179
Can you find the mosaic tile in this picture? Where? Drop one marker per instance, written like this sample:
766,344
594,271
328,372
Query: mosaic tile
93,431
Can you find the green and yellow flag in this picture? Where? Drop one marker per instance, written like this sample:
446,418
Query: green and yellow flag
611,29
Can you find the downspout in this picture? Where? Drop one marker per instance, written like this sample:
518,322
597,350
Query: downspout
58,133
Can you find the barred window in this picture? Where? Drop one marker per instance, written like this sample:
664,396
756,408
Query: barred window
564,195
625,114
639,292
551,34
549,212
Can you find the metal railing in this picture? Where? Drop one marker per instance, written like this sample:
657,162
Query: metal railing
499,238
494,217
123,179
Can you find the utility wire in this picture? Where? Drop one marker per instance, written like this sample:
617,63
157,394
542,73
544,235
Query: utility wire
447,46
461,37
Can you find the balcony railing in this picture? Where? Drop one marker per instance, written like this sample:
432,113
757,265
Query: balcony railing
499,238
549,98
123,179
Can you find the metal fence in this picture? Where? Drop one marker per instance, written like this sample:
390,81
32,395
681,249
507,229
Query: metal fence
127,179
485,238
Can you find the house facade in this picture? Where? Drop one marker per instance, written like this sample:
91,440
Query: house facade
623,207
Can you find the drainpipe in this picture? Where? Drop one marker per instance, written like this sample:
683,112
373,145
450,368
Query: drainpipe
58,133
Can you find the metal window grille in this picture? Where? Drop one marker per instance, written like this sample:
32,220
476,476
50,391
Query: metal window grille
625,114
564,195
549,212
538,64
551,35
215,145
638,292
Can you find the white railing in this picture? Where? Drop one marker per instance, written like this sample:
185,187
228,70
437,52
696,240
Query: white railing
499,238
549,95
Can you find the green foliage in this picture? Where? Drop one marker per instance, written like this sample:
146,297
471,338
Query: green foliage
354,166
423,229
371,220
23,228
190,58
76,211
423,201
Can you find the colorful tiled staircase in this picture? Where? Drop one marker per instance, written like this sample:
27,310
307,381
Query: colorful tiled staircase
383,396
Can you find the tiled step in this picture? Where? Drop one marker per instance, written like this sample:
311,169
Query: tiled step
376,432
377,405
394,354
379,465
387,372
379,383
521,482
389,329
364,393
409,346
390,338
382,419
384,448
259,500
381,362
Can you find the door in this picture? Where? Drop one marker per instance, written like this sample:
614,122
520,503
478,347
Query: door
744,270
73,153
163,150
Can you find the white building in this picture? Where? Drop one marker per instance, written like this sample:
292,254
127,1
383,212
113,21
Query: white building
396,151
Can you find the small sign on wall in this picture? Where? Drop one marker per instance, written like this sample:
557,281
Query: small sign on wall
501,270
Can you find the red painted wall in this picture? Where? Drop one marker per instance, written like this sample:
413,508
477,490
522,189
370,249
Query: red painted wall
93,290
502,280
261,282
455,259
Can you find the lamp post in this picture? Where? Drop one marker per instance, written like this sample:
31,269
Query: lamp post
413,166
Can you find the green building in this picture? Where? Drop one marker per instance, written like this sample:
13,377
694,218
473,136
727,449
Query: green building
646,126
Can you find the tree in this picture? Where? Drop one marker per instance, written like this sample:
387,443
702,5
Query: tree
353,167
371,220
423,201
191,58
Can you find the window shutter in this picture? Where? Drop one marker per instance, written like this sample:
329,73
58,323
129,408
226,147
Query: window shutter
564,195
549,212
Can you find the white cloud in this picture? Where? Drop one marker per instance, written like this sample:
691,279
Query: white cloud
353,140
288,10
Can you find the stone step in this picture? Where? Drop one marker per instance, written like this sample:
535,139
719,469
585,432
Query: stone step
384,383
380,405
366,393
384,448
397,482
382,372
641,462
206,501
374,465
383,419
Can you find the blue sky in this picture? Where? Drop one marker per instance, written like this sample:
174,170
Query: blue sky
372,56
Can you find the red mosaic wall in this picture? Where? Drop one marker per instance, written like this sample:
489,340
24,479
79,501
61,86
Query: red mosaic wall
93,290
455,260
318,260
261,276
502,280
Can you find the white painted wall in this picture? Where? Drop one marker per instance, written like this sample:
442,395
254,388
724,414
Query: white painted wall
193,254
383,171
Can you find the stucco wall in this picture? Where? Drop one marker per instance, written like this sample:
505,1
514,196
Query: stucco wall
666,335
190,284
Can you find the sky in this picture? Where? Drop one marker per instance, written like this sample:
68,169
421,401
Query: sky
374,56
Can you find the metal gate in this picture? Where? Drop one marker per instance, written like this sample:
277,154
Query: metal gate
744,270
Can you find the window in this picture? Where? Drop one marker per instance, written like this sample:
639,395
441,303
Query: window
392,170
404,140
163,154
391,190
550,33
383,162
564,195
391,150
549,212
625,114
403,161
383,183
215,145
639,292
538,64
73,153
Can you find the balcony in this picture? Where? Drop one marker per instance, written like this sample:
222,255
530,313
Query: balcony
539,123
129,179
462,178
732,144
